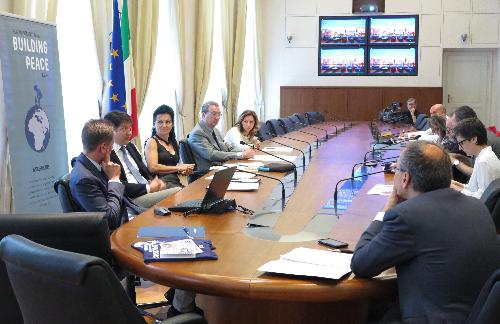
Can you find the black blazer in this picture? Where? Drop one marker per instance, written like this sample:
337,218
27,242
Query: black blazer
444,247
133,190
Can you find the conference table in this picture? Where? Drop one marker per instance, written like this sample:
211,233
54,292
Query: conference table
231,289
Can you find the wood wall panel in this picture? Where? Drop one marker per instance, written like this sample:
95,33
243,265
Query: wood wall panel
364,103
326,98
354,103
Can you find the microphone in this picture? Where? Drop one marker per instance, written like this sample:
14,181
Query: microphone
335,194
383,148
322,129
278,157
371,163
294,148
273,178
293,139
317,138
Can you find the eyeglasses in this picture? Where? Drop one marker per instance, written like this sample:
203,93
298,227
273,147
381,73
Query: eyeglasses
163,122
395,168
460,143
215,114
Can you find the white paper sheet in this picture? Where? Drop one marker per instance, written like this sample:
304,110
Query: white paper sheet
276,149
381,189
270,158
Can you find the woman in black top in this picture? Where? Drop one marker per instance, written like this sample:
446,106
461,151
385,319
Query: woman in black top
162,149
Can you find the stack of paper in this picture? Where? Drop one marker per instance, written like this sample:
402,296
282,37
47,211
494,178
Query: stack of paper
276,149
237,176
311,262
175,249
181,249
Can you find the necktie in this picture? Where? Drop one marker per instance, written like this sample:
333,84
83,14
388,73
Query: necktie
216,140
135,172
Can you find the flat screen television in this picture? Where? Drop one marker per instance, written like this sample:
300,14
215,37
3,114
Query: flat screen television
342,61
393,30
342,30
368,45
392,60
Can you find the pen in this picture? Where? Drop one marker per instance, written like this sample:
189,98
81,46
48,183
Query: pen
187,232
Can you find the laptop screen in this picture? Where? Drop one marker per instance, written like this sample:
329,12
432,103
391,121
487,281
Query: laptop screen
218,187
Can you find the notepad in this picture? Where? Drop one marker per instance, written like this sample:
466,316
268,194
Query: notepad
171,231
312,263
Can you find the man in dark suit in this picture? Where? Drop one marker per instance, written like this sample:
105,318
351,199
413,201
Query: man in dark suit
207,142
95,180
145,189
443,244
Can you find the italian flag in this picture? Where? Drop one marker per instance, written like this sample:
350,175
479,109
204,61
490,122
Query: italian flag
128,69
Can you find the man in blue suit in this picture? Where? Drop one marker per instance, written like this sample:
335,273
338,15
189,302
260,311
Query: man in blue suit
443,244
95,180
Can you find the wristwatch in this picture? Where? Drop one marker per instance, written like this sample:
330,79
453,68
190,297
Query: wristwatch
456,162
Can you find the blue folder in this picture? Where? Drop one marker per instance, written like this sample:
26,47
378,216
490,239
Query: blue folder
151,250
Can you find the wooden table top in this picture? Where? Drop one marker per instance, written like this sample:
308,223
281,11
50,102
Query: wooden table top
235,273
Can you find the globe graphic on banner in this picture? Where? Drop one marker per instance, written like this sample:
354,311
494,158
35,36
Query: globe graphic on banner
36,125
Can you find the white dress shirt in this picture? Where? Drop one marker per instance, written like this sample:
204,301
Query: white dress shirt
233,138
128,174
486,169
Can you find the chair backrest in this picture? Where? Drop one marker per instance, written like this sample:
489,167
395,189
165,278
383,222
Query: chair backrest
186,155
287,124
55,286
298,124
421,122
486,309
68,204
185,152
264,132
311,117
302,119
491,198
276,127
320,116
86,233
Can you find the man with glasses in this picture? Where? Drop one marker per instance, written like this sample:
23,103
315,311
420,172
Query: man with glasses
443,244
207,143
471,136
95,180
140,185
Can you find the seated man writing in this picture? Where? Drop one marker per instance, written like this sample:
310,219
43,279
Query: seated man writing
443,244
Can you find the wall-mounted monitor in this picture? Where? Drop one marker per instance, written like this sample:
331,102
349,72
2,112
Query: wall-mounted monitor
368,45
393,30
342,30
342,61
392,60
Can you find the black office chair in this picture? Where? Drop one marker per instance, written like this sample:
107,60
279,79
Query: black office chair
276,127
264,132
320,116
302,119
486,309
421,122
55,286
296,121
187,156
287,124
86,233
311,117
491,198
68,204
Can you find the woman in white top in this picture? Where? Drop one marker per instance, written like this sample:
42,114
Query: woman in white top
245,130
471,136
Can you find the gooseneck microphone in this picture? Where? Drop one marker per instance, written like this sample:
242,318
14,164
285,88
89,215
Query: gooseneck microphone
273,178
372,163
335,194
278,157
294,148
322,129
290,138
317,138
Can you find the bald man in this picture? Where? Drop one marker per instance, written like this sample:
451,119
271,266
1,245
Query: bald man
438,109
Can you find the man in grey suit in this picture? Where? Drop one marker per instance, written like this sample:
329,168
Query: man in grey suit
443,244
207,143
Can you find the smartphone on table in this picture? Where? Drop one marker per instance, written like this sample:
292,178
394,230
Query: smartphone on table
335,244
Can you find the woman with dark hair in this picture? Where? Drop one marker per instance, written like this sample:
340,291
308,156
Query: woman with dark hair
162,149
438,126
244,130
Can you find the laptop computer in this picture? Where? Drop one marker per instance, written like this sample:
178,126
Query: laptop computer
215,193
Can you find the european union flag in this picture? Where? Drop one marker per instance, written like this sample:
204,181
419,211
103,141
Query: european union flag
116,84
